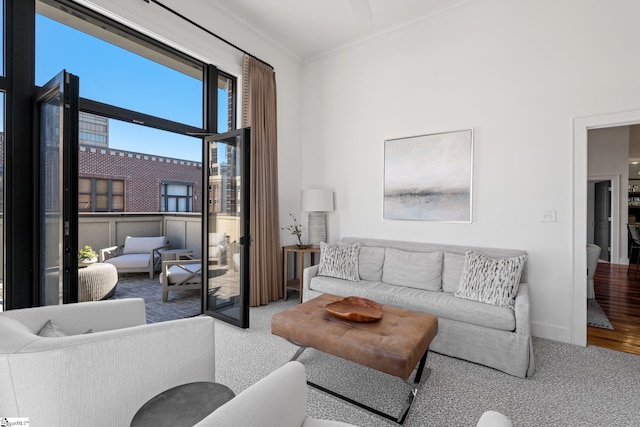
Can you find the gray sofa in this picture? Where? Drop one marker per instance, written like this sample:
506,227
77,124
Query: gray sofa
491,335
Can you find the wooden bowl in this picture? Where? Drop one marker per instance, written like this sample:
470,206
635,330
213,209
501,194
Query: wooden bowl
356,309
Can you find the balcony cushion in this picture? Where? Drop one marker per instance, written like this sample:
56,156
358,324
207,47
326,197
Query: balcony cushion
139,260
177,274
139,245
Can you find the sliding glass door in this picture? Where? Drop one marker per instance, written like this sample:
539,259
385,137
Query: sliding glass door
226,291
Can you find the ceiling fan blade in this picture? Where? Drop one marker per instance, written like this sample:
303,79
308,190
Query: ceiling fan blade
361,11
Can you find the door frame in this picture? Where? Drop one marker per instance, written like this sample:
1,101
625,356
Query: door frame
614,240
581,126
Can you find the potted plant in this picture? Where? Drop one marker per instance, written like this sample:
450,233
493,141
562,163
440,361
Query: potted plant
87,256
295,229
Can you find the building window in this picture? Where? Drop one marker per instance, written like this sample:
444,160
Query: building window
176,197
100,195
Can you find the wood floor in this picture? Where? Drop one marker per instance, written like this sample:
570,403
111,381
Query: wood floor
619,297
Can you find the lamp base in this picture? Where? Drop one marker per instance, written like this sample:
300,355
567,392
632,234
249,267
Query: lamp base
317,228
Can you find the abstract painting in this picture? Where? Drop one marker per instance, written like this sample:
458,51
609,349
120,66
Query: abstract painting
429,177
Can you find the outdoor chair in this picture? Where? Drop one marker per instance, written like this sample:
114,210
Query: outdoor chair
180,275
138,254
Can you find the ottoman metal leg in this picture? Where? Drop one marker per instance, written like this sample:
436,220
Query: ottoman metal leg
401,418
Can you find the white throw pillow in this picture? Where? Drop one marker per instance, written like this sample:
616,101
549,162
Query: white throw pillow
339,261
51,330
489,280
370,261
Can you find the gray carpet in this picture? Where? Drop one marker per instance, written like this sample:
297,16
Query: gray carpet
595,315
572,386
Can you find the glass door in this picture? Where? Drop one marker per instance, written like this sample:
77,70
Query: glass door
58,146
226,227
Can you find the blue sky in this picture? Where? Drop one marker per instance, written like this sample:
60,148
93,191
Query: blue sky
115,76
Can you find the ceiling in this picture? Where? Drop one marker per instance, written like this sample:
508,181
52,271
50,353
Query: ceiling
311,28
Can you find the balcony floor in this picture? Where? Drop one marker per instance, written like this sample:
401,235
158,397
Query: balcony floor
181,304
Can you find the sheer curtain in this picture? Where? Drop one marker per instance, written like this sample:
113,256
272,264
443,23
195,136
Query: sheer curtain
259,112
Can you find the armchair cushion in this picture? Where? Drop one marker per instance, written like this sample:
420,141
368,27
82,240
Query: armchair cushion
139,245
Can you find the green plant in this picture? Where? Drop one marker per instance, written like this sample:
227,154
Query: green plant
87,253
295,229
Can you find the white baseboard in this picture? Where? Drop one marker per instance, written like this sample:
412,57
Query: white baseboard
551,332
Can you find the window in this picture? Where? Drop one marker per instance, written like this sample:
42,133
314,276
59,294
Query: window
100,195
176,197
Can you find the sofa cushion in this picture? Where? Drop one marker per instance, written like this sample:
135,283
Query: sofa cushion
452,267
345,288
489,280
339,261
370,262
422,270
441,304
139,245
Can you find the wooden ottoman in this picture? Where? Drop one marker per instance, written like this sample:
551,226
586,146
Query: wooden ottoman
395,344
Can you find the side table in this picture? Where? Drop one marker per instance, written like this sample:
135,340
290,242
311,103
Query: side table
298,264
182,406
175,254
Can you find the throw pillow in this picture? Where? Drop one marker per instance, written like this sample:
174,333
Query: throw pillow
51,330
452,267
339,261
489,280
370,263
421,270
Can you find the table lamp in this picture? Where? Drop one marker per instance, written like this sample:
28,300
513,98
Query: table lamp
317,202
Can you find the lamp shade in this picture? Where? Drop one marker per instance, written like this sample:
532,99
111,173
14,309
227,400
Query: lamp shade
316,200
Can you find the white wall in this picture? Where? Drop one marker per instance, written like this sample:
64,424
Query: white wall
608,155
156,22
518,73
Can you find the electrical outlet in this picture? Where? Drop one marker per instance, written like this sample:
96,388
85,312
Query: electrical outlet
549,216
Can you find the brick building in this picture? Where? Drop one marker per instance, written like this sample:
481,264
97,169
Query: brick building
124,181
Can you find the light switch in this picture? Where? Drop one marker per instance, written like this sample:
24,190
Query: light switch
549,216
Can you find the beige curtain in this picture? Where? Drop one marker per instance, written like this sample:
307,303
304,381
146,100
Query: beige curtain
259,112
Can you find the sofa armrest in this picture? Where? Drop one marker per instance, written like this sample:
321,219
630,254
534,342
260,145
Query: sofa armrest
309,273
277,400
521,309
78,318
87,379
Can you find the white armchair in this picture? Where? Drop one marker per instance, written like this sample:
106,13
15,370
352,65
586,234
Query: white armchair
138,254
277,400
99,378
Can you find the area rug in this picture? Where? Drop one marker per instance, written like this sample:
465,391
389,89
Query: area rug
573,386
595,315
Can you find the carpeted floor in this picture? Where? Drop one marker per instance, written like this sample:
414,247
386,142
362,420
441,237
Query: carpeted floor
595,315
572,386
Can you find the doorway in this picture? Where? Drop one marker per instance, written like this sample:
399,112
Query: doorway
581,126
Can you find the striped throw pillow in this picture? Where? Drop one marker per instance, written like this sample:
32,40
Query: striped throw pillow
339,261
489,280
